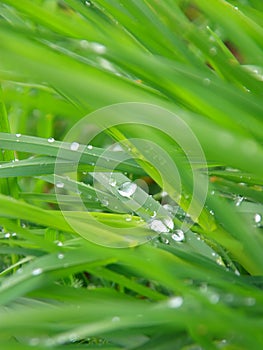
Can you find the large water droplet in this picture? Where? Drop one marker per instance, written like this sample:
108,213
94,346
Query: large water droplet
74,146
127,189
37,271
175,302
178,235
50,139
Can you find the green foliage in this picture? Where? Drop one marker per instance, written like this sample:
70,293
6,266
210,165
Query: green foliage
71,277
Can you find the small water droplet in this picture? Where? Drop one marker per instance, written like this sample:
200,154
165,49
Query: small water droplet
14,234
169,222
37,272
112,182
213,51
74,146
87,3
84,44
127,189
207,81
7,235
18,135
250,301
34,341
98,48
236,8
50,139
60,185
257,218
214,298
158,226
154,214
61,256
89,147
175,302
104,202
178,235
238,201
115,319
128,218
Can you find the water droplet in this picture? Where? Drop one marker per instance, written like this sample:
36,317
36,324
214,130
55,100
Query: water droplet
236,8
175,302
127,189
154,214
207,81
34,341
178,235
104,202
250,301
158,226
37,272
59,184
238,201
214,298
213,51
169,222
61,256
18,135
84,44
98,48
51,139
112,182
115,319
74,146
128,218
257,218
59,243
8,235
89,147
87,3
14,234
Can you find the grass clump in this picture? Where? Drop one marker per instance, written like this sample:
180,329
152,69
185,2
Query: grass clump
131,174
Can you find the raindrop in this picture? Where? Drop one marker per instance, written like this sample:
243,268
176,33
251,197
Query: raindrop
250,301
257,218
158,226
74,146
115,319
112,182
214,298
213,51
98,48
59,184
207,81
127,189
104,202
8,235
169,222
89,147
175,302
61,256
37,272
178,235
51,139
18,135
154,214
84,44
238,201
